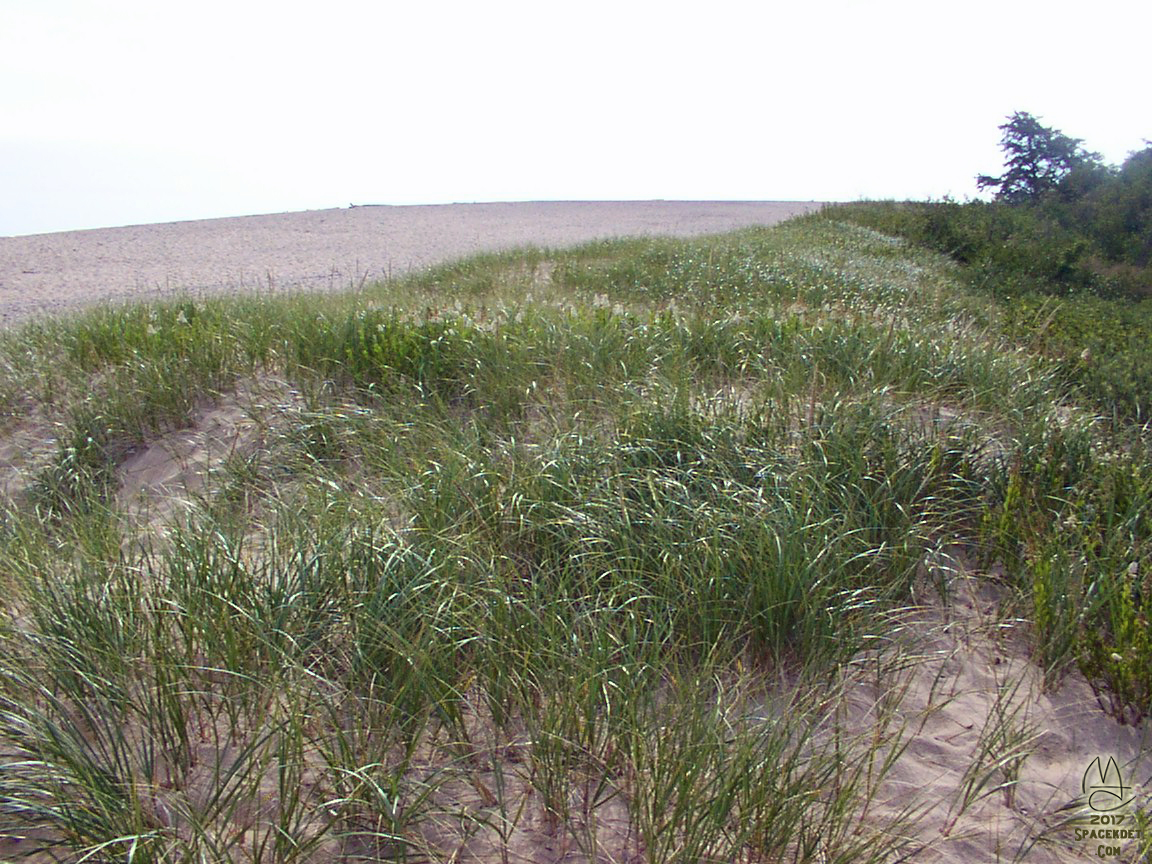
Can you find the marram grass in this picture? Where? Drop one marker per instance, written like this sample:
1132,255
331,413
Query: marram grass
554,545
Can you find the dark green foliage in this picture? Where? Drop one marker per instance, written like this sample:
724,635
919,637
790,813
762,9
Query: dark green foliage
1118,213
1064,188
1087,239
1101,346
1100,341
1006,250
1038,160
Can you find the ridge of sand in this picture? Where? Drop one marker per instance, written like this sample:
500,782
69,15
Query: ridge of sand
325,249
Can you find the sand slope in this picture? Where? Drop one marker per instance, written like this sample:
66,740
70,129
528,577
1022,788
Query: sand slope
324,249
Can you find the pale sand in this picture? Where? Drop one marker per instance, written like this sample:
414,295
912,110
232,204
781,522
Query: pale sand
325,249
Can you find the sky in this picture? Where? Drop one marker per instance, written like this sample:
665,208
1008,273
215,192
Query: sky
119,112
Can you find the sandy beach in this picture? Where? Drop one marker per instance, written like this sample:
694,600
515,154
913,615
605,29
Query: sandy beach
324,249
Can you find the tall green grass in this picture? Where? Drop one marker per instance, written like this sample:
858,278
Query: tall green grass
520,546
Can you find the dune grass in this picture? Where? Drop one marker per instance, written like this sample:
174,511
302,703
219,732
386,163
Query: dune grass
525,549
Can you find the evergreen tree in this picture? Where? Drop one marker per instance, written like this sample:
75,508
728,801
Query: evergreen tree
1038,158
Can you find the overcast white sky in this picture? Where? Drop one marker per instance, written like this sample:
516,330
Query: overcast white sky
136,111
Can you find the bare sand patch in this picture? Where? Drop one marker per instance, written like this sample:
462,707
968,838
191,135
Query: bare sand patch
321,250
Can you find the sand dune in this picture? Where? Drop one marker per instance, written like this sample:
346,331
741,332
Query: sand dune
324,249
996,760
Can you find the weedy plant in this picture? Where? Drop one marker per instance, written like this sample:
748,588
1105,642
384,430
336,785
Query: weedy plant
524,551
